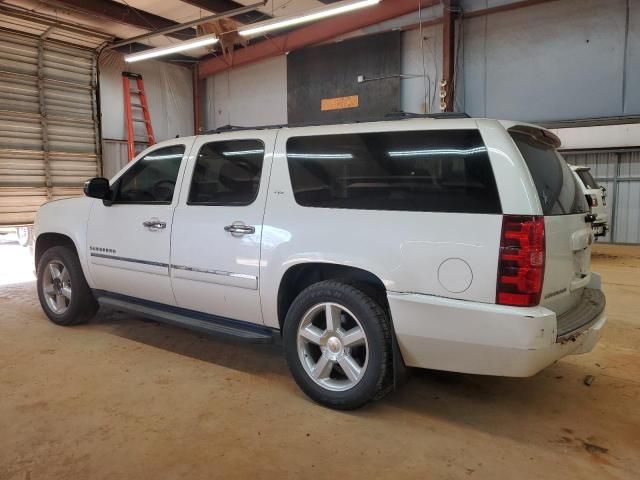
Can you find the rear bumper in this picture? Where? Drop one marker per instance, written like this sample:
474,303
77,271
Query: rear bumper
487,339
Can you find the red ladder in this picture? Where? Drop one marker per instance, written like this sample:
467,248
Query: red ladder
126,88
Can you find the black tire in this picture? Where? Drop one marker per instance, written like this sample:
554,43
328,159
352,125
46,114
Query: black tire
82,306
377,379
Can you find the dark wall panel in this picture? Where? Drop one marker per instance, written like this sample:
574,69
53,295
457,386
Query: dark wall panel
331,71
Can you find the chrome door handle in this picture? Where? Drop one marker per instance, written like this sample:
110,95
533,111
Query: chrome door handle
154,224
240,229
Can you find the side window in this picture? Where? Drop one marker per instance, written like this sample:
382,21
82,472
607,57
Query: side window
227,173
420,171
152,179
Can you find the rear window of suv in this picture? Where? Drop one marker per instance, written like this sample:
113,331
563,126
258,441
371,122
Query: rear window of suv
419,171
557,188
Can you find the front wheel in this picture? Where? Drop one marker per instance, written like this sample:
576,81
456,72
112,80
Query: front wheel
337,341
63,291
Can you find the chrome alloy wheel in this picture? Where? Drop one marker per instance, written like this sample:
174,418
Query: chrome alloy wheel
332,346
56,285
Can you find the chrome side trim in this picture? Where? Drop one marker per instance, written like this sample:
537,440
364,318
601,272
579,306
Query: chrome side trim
221,273
130,260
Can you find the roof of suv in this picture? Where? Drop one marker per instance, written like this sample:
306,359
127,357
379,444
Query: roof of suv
393,119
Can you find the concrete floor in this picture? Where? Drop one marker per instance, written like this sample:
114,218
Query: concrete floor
128,398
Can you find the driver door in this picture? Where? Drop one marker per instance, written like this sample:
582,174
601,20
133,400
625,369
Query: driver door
129,241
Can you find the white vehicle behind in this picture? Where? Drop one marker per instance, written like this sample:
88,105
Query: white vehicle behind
455,244
24,234
596,196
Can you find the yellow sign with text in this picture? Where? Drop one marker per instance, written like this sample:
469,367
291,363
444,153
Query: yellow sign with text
339,103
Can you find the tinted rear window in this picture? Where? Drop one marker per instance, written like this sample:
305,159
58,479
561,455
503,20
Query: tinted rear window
557,187
423,171
587,179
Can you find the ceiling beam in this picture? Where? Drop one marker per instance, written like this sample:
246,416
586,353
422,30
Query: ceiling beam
311,34
120,13
191,23
222,6
47,20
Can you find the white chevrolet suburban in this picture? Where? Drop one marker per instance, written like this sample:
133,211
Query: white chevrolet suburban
455,244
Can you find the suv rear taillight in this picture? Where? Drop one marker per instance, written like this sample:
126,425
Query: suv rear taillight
521,261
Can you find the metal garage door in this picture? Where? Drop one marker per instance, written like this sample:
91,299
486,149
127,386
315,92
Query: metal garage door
48,123
619,172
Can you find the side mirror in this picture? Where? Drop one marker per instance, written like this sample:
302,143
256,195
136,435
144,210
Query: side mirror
97,188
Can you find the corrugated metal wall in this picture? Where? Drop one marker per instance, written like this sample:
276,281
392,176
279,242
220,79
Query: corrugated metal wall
48,123
619,172
561,60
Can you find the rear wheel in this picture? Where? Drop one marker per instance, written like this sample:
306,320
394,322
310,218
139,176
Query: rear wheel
338,345
63,291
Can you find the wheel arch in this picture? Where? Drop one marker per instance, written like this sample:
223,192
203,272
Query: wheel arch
300,276
47,240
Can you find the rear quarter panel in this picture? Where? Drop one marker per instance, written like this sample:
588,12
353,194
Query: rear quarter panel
451,255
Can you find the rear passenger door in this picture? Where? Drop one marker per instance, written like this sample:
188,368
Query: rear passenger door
217,226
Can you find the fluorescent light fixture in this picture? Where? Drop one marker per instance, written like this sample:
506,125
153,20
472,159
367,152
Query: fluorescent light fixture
321,156
429,153
180,47
243,153
313,15
164,157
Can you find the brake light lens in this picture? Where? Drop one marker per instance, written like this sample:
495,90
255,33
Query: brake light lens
521,261
594,200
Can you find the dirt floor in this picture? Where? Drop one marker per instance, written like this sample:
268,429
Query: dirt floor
124,398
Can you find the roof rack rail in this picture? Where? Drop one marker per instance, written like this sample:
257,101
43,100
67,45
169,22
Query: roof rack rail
386,118
237,128
401,115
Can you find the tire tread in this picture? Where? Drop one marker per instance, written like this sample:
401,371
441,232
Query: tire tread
85,306
341,290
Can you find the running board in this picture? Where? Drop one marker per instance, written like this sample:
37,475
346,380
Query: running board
198,321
